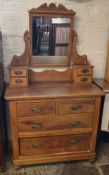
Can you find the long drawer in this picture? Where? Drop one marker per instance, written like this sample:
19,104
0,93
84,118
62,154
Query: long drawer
55,123
75,106
54,144
27,109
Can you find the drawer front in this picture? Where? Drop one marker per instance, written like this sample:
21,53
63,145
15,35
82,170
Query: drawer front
18,82
25,109
54,144
55,123
85,71
84,79
73,106
18,72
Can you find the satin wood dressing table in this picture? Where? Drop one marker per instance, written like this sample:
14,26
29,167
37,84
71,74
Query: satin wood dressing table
53,103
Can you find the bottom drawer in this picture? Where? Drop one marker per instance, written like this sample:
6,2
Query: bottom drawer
84,79
18,81
54,144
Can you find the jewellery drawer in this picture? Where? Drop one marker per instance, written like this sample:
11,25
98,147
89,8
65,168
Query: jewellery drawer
85,71
27,109
55,123
17,72
75,106
84,79
18,82
55,144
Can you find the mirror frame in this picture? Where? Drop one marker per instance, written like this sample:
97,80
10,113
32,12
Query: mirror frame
53,11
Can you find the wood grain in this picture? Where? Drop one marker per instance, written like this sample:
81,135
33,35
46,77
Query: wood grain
106,76
59,144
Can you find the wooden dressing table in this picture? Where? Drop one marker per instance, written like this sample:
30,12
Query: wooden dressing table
54,105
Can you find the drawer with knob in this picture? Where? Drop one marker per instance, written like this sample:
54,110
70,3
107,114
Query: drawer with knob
18,82
84,79
44,145
17,72
75,106
28,109
85,71
76,121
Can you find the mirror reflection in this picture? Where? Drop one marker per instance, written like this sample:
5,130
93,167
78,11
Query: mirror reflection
50,36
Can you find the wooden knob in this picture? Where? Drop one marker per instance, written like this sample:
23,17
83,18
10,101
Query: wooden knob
76,107
37,126
73,141
18,72
37,145
85,70
76,123
84,79
19,81
37,110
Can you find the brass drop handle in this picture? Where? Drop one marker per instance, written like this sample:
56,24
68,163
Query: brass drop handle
73,141
37,145
76,107
37,126
18,72
19,81
76,123
84,79
85,70
37,110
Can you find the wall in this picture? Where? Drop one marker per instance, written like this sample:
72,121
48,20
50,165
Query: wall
91,23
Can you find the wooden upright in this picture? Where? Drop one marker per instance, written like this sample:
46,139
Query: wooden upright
106,76
54,114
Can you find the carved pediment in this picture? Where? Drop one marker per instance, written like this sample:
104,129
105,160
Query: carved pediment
52,8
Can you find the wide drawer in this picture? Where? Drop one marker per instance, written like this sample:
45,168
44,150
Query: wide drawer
75,121
75,106
54,144
25,109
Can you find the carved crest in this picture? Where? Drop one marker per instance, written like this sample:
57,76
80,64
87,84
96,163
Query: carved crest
52,8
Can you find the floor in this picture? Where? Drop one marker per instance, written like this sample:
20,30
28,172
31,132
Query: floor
100,167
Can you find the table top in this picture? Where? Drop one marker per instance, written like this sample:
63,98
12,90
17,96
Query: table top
52,90
103,84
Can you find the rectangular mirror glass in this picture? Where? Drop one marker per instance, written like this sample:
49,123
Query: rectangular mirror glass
50,37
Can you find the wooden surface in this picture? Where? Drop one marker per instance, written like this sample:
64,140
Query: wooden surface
56,117
103,84
51,90
53,122
60,144
79,71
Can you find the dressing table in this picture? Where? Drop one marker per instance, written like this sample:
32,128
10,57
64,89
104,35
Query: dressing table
53,103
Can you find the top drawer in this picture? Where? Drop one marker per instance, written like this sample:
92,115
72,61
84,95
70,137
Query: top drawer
75,106
28,109
85,71
17,72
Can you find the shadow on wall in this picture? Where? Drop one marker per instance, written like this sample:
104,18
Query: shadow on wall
81,0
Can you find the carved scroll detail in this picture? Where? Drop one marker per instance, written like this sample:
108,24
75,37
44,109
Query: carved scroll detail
51,8
22,60
76,58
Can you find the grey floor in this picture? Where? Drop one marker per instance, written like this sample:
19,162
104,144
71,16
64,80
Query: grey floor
100,167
